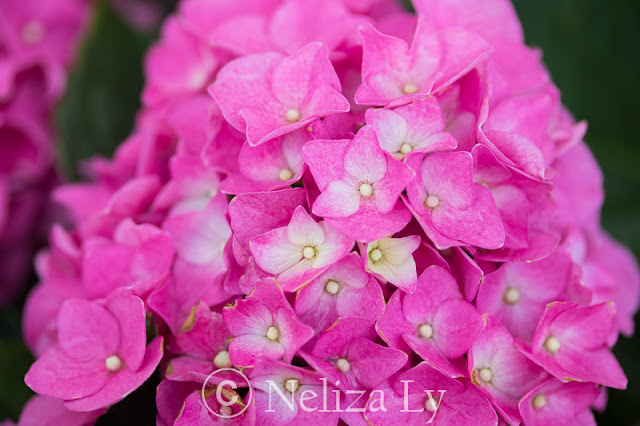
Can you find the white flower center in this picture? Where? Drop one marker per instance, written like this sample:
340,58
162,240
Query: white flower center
409,88
552,344
33,32
430,404
486,375
405,148
343,365
366,190
292,385
113,363
332,287
539,401
273,333
285,174
376,254
226,411
222,359
432,201
309,252
425,331
511,296
292,115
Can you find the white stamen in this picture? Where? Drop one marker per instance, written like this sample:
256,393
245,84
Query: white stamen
409,88
222,359
273,333
552,344
425,331
539,401
511,296
376,254
33,32
430,404
113,363
432,201
309,252
285,174
406,148
486,375
366,190
343,365
292,385
226,411
292,115
332,287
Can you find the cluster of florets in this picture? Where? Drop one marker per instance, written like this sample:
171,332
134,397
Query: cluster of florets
37,38
340,198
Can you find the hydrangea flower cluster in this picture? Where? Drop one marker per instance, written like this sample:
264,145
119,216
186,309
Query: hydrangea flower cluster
37,39
391,211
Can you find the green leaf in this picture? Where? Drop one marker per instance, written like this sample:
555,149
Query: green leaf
103,93
15,359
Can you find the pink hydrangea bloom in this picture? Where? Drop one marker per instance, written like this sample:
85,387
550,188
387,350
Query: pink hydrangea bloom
351,204
264,324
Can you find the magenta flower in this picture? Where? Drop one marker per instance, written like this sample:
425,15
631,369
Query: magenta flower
559,403
451,209
501,370
417,127
300,251
268,103
360,186
395,74
142,253
344,290
264,324
203,342
517,293
101,354
348,357
283,391
433,321
571,344
421,395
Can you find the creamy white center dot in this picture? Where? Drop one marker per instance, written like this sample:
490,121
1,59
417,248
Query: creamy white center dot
539,401
409,88
432,201
33,32
332,287
430,404
552,344
113,363
405,148
285,174
343,365
511,295
486,375
425,331
292,115
222,359
273,333
226,411
309,252
292,385
376,254
366,190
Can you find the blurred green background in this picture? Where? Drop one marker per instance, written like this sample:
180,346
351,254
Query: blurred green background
592,48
